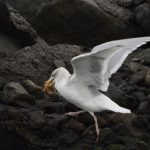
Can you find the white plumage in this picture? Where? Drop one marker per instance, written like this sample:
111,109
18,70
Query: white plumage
91,74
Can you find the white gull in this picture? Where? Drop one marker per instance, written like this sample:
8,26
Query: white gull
91,75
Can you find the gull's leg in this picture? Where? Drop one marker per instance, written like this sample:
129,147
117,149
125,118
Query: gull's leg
96,125
75,113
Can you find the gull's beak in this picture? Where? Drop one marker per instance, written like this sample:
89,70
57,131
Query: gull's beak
49,86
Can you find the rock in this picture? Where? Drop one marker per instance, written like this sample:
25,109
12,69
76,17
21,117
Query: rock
142,145
148,98
146,61
71,25
54,122
140,96
37,119
116,147
74,125
15,94
144,107
136,59
124,3
2,83
147,78
134,67
14,29
51,107
68,137
33,89
139,76
59,63
142,15
138,2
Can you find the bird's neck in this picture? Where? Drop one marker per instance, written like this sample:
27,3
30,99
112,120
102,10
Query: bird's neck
62,80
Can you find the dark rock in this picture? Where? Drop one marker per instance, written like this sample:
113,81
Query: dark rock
59,63
15,30
142,15
139,76
71,25
15,94
74,125
68,137
54,122
37,119
134,67
148,98
146,61
147,78
138,2
51,107
2,83
33,89
124,3
140,96
144,107
142,145
116,147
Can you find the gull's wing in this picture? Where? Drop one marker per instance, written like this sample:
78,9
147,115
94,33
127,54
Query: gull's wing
95,68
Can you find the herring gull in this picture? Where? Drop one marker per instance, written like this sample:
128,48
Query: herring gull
91,76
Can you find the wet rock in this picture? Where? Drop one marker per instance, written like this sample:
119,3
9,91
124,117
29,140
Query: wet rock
33,89
59,63
134,67
147,78
37,119
15,94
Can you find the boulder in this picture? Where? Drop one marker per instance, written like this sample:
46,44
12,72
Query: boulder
80,22
15,94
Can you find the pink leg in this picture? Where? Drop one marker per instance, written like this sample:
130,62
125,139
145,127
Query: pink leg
75,113
96,125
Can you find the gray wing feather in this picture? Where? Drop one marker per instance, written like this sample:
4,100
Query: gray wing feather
96,68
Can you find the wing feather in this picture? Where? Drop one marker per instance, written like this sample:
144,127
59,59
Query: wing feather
96,68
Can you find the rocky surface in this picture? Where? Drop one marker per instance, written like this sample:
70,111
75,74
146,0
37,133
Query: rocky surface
32,120
86,22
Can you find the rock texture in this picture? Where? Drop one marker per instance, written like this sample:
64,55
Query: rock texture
86,22
32,120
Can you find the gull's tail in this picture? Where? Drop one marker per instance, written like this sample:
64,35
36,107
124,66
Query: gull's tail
122,110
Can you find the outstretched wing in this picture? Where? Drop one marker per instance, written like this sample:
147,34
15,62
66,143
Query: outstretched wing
95,68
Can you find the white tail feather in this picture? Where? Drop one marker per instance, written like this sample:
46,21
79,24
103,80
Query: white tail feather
122,110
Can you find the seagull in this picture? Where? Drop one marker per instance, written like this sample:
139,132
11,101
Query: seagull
84,88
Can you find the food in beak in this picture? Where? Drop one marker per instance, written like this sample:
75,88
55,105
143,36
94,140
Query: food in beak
49,87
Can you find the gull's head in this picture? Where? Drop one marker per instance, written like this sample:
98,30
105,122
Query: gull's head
58,75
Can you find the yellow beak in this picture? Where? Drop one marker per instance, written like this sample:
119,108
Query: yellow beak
49,87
